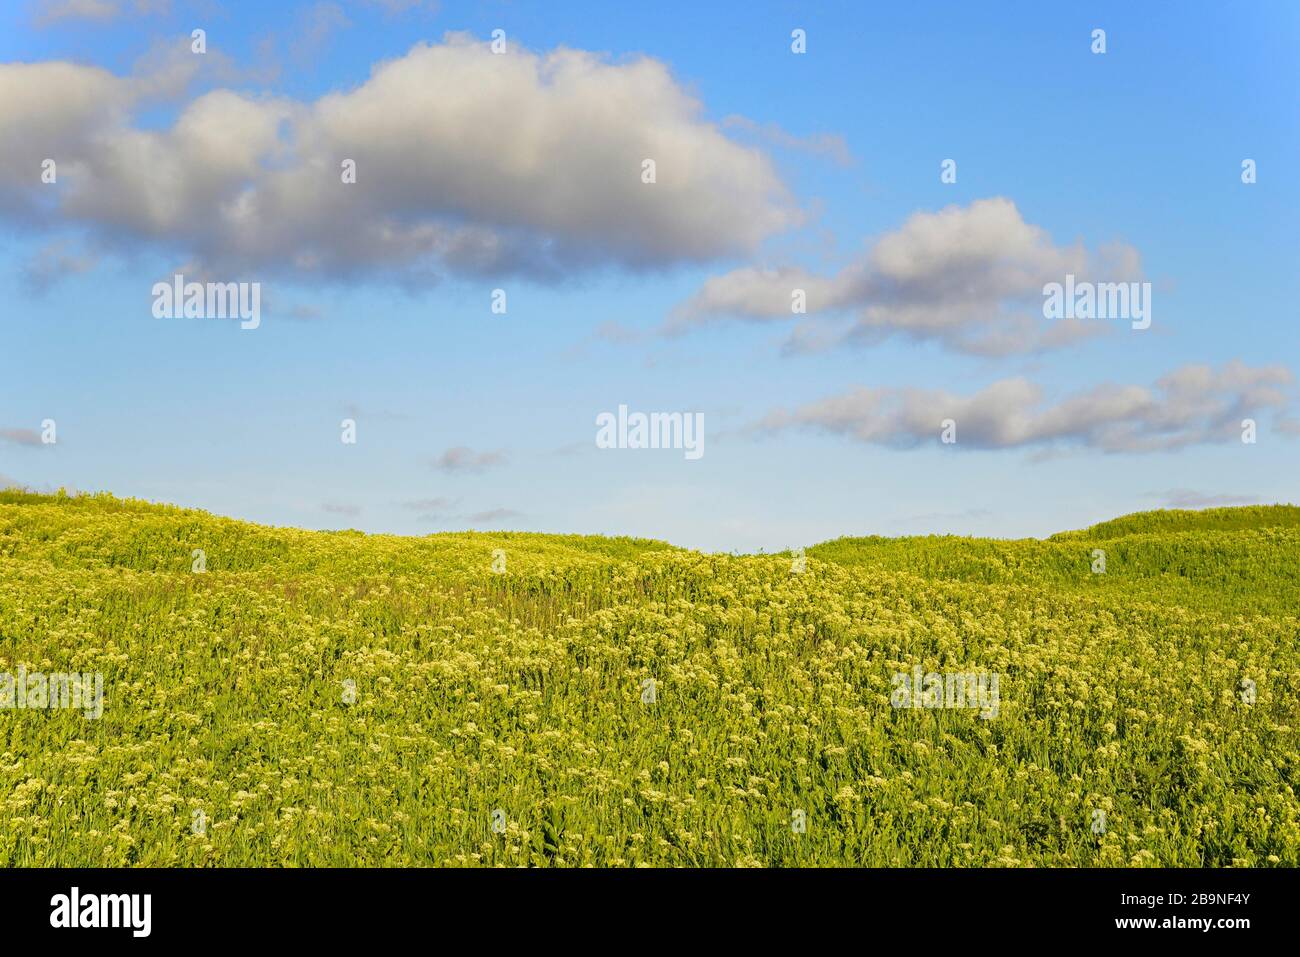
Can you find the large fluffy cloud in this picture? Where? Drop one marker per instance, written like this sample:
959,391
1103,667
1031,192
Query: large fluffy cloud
968,277
1192,405
466,162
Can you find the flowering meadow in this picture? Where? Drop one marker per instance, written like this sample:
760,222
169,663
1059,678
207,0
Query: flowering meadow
278,697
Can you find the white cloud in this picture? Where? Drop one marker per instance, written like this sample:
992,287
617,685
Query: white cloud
970,278
467,163
1192,405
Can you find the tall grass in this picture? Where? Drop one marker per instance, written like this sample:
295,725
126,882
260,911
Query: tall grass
525,692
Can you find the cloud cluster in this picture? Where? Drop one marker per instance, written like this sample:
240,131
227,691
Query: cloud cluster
467,162
1192,405
970,278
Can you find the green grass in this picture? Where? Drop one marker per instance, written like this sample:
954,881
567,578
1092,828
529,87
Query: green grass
523,691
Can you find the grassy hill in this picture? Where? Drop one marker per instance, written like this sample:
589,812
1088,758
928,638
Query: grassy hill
1168,520
1238,560
311,698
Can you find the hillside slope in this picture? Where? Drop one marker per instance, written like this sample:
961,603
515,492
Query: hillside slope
1230,560
314,698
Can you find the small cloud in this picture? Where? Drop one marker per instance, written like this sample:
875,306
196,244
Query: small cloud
21,436
463,459
54,263
339,508
970,278
316,27
1193,405
1190,498
56,11
830,145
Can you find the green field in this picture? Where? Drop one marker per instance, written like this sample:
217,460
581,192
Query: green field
333,698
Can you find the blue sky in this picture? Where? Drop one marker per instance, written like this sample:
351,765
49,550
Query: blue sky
1140,147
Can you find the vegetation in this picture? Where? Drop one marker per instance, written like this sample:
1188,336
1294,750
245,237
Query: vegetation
312,698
